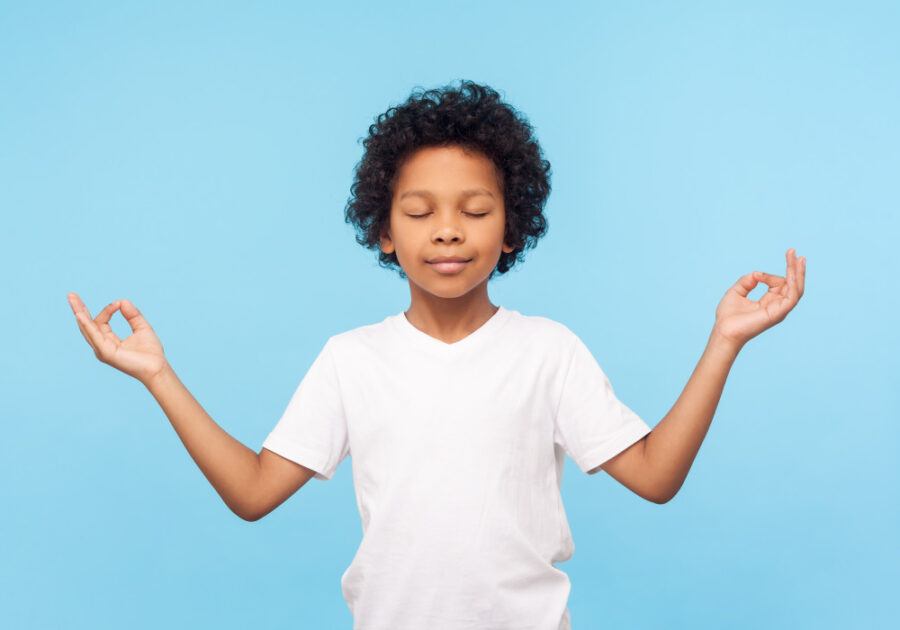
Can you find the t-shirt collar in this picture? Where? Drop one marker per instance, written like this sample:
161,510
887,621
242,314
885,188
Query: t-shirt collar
475,338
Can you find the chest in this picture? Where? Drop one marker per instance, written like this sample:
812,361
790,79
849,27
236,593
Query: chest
423,412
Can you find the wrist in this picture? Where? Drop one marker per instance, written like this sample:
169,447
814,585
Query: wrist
162,375
721,344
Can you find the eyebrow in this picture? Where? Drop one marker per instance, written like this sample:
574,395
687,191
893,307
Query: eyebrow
466,193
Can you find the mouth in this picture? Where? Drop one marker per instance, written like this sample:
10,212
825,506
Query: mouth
449,267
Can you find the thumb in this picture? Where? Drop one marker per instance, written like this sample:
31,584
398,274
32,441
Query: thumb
133,316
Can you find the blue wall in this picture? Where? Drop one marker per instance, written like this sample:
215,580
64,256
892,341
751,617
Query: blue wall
197,159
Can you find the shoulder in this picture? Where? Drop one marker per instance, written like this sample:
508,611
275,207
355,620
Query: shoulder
544,334
544,327
358,339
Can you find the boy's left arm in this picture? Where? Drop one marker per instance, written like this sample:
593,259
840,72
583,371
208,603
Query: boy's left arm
656,466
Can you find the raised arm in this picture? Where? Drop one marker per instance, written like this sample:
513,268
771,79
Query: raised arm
656,466
250,484
232,468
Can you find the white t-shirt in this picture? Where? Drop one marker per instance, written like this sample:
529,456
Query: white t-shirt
457,456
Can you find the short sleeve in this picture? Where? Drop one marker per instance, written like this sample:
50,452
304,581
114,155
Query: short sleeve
313,429
592,425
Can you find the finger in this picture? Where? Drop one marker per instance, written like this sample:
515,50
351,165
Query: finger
103,317
780,308
768,278
798,270
87,336
802,274
745,284
791,275
85,323
76,303
89,328
78,307
133,315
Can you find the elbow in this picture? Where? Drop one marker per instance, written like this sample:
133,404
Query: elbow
662,496
246,513
254,514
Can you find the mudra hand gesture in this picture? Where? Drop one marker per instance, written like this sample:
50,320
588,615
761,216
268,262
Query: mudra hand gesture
739,319
139,355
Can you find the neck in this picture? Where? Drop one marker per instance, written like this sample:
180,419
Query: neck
449,319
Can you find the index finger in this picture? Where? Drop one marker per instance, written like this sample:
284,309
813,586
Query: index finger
769,279
103,316
77,305
86,324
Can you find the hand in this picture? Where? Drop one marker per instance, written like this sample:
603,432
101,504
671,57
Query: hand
738,319
139,355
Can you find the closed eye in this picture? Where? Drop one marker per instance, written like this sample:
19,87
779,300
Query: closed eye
471,214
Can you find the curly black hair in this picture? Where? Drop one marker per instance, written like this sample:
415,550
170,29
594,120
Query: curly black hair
473,117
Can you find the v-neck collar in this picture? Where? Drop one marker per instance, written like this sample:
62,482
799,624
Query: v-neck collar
433,344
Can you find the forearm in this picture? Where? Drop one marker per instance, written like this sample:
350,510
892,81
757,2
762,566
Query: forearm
672,445
231,467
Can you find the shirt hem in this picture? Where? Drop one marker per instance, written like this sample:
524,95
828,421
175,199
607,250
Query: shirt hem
615,445
299,455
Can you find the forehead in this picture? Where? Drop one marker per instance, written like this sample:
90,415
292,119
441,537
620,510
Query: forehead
444,170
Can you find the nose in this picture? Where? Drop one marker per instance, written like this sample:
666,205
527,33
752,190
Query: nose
448,234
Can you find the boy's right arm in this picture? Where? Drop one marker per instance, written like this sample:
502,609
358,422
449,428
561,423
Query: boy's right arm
250,484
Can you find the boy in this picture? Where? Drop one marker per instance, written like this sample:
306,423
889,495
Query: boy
458,413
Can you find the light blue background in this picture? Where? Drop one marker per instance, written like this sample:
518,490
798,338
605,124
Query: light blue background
197,159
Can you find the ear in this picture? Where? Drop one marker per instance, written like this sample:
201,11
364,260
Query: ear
387,244
507,248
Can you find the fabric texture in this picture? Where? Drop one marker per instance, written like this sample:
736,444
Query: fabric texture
457,455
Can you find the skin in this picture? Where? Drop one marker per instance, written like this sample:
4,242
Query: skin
448,307
451,307
656,466
432,215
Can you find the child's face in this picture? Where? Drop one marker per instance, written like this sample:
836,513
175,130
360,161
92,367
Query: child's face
438,194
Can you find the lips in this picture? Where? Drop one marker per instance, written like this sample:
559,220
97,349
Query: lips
441,259
449,266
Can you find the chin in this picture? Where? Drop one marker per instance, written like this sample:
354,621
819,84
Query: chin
446,292
450,290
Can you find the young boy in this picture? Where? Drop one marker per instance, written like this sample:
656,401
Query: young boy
457,412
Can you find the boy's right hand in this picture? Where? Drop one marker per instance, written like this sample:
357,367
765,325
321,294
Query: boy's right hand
139,355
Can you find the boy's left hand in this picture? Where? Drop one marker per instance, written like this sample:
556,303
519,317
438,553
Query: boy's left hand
739,319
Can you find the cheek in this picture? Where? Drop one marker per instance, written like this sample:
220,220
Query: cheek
499,233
